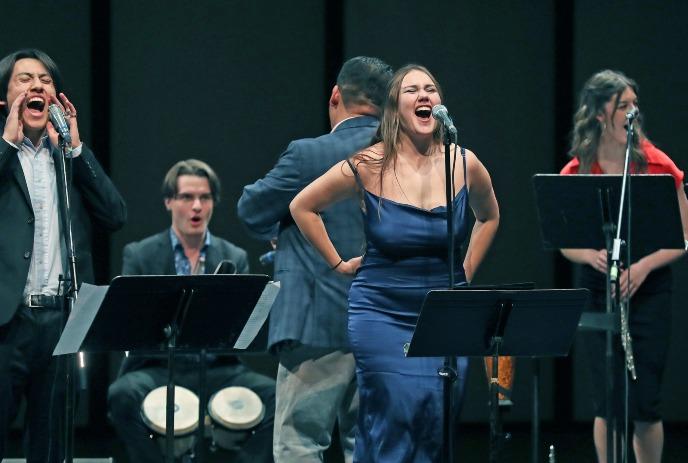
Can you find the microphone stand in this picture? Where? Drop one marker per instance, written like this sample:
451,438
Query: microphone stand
614,276
448,370
70,299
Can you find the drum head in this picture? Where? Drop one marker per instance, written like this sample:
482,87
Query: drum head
236,408
185,410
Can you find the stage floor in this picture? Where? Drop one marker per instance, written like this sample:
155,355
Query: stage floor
573,444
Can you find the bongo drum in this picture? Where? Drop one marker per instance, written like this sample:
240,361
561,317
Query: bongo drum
506,368
234,412
185,417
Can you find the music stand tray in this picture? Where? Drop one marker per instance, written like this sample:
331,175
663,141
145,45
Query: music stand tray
542,322
567,206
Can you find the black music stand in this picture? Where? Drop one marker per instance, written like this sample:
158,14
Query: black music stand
170,312
566,209
481,323
257,346
567,206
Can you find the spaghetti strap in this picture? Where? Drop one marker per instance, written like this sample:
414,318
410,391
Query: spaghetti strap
463,155
465,173
356,176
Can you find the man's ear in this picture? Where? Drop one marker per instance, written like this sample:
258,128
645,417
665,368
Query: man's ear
335,97
167,203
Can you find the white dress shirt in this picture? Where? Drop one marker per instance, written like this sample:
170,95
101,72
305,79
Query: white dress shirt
47,257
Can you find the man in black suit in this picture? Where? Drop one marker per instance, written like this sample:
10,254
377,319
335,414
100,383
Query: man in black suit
33,258
191,189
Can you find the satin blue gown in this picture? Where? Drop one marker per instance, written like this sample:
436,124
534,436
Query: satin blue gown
400,412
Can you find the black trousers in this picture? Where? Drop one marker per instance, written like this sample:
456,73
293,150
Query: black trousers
127,393
28,369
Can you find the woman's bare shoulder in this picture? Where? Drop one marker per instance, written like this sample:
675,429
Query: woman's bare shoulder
369,159
472,160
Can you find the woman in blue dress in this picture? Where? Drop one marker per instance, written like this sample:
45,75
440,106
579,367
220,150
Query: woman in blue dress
401,182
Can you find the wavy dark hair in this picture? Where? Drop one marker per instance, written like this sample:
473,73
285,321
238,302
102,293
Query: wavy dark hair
190,167
389,131
587,129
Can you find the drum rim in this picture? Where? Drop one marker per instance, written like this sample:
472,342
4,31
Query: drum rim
161,430
242,426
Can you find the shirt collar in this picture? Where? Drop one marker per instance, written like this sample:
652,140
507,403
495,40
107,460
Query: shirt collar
177,244
340,122
44,142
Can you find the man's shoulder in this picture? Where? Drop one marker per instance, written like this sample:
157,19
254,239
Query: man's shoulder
227,246
351,136
5,147
149,242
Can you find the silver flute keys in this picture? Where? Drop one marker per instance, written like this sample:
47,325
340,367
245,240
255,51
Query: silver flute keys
626,341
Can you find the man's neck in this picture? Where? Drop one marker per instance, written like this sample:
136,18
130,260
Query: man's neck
34,135
347,113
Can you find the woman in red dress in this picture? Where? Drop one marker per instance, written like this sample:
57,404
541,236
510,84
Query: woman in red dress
598,147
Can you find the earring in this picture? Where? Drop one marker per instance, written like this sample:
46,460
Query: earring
603,125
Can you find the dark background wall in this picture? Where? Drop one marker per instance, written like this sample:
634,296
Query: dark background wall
233,82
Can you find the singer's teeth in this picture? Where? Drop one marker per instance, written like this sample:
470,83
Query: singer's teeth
423,111
36,103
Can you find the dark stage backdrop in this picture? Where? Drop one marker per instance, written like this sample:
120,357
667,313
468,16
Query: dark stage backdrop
233,82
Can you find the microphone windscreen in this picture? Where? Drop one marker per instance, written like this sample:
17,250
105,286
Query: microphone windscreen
437,111
57,117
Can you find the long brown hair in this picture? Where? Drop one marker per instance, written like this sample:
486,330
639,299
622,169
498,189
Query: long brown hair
587,129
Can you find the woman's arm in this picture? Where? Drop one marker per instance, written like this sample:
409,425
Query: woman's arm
597,259
334,185
486,211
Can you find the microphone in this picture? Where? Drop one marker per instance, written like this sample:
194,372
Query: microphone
633,113
440,113
57,117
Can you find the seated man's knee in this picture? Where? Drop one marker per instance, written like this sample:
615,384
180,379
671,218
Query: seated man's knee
124,399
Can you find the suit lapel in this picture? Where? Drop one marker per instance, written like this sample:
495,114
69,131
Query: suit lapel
60,187
21,180
212,258
166,255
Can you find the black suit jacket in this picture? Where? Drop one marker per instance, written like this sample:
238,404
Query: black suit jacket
154,256
94,201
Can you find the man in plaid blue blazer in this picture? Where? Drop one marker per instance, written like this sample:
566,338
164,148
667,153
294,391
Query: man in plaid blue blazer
316,383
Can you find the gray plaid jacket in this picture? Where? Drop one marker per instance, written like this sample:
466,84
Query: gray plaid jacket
312,305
